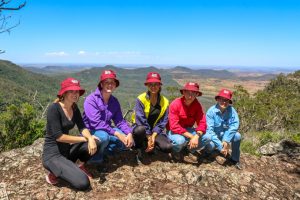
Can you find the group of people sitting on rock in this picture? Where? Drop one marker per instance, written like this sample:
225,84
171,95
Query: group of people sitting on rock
180,128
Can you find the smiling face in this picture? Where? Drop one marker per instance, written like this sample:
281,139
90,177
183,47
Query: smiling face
108,85
153,88
71,96
223,103
189,96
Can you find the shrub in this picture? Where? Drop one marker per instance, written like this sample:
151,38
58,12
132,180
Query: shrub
20,126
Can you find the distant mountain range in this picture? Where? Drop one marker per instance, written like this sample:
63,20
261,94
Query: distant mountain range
23,83
180,72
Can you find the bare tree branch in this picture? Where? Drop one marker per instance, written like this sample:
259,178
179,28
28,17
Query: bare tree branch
9,29
3,2
4,20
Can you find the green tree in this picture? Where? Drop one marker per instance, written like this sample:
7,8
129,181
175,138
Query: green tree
275,108
20,126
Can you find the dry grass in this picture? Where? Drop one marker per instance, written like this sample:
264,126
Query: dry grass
211,86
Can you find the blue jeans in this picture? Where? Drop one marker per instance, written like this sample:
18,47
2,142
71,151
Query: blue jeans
235,144
104,140
109,145
180,141
115,145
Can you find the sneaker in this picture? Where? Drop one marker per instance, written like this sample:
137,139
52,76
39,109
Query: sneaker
236,164
82,167
51,179
191,158
220,160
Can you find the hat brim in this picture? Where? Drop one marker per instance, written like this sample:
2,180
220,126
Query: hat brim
199,93
152,81
74,88
216,98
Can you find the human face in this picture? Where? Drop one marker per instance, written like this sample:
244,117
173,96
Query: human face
223,103
71,96
153,87
108,85
189,96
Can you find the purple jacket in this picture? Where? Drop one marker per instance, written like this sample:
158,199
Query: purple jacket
97,115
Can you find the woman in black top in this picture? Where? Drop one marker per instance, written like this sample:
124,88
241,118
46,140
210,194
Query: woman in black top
62,150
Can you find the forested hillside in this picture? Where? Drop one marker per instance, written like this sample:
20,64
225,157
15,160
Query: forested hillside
18,85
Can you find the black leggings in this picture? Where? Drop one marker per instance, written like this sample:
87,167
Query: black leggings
162,141
66,169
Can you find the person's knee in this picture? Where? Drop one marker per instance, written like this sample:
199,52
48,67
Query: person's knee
180,142
103,136
105,140
139,131
206,137
167,148
237,137
82,183
210,147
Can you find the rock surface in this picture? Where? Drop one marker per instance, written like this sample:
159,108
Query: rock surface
269,177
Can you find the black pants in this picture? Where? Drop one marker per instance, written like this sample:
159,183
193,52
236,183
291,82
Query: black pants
66,169
162,141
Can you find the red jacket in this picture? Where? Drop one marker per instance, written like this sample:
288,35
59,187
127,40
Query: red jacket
182,116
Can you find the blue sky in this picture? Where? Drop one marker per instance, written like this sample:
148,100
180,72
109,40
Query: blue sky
156,32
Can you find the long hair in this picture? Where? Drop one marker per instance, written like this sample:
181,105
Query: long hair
60,98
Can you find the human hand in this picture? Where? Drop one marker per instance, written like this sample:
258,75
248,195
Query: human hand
129,140
92,146
225,149
151,142
194,142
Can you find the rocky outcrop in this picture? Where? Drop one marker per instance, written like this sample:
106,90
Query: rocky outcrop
266,177
285,147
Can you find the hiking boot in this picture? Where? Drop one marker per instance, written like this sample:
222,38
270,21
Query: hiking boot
51,179
82,167
191,158
177,156
220,160
236,164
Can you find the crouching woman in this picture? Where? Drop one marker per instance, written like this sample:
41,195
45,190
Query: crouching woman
62,150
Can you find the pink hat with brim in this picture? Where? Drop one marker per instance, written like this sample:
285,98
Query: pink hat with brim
191,86
153,77
109,74
225,93
70,84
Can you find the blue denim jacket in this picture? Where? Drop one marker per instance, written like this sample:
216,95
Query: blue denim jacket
223,125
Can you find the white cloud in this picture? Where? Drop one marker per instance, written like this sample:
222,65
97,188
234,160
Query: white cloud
57,54
81,53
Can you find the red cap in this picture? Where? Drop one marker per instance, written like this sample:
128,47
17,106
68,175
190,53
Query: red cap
191,86
109,74
225,93
153,77
70,84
